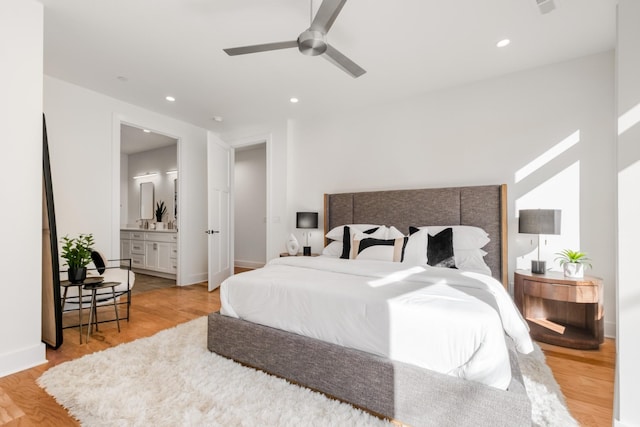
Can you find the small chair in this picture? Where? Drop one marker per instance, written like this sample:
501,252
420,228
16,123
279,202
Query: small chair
116,282
112,271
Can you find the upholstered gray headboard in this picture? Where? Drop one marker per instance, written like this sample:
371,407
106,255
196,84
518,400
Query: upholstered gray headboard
481,206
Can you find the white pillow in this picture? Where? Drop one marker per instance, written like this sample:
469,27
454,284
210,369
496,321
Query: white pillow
394,233
415,253
380,233
333,249
337,233
464,236
471,260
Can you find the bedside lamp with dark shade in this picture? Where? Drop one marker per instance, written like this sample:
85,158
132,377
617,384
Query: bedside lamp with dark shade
307,220
539,221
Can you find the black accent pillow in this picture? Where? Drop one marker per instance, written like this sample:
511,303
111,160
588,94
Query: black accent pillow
413,229
98,261
440,249
346,240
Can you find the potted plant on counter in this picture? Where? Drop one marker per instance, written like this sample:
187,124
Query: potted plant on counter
77,253
161,209
573,262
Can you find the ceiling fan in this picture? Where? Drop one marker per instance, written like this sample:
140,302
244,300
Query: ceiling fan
312,41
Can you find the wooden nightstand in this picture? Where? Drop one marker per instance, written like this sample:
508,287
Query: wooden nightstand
560,310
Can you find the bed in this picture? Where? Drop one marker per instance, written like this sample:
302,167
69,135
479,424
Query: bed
385,364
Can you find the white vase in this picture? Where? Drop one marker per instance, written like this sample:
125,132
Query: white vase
573,270
292,245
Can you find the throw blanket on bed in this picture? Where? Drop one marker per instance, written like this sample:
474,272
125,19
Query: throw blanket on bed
440,319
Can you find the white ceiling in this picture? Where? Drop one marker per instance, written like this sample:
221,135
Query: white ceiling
135,140
408,47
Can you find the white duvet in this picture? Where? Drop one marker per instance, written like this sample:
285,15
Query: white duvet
440,319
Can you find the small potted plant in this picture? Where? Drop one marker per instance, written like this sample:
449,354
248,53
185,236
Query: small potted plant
161,209
77,253
573,262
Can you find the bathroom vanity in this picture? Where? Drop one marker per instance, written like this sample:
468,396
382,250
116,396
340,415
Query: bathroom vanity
152,252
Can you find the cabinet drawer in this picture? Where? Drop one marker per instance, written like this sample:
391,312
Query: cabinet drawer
137,261
160,237
174,266
174,251
136,235
137,247
125,235
561,292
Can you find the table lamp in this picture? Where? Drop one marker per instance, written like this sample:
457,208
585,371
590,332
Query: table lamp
539,221
307,220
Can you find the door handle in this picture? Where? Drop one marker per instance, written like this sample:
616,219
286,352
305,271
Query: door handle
212,231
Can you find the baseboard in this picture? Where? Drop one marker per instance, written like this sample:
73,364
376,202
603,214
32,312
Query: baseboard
248,264
22,359
154,273
195,279
609,329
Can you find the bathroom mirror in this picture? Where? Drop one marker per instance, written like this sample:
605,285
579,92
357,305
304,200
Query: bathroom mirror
146,200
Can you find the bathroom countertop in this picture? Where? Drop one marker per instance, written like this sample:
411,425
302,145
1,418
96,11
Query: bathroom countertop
150,230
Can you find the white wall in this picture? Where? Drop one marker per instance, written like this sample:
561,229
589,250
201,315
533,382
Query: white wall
250,200
627,412
21,188
482,133
160,160
84,136
124,189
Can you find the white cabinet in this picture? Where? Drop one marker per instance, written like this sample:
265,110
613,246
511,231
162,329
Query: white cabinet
152,251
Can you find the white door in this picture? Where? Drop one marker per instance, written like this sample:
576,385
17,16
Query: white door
218,166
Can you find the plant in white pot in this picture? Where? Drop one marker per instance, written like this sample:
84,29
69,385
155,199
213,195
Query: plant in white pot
573,262
77,253
161,209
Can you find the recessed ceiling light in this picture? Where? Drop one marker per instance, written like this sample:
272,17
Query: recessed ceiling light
170,98
503,43
146,131
217,119
293,100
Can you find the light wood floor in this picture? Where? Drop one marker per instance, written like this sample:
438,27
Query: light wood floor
586,377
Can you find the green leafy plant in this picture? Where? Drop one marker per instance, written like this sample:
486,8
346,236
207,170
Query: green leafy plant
77,251
568,256
161,209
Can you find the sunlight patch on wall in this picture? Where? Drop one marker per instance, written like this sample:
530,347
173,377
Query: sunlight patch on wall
547,156
629,119
562,191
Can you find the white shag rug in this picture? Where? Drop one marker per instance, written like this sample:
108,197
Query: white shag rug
172,379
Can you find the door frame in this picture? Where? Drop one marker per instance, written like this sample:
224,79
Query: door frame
265,139
118,121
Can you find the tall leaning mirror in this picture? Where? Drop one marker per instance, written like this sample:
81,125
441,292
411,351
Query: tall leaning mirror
146,200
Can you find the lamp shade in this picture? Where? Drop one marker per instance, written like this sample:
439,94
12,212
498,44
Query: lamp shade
539,221
307,220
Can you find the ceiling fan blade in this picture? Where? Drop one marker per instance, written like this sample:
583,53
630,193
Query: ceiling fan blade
327,13
260,48
341,61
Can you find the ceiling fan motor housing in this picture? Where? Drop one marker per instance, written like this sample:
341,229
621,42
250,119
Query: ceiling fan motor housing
312,43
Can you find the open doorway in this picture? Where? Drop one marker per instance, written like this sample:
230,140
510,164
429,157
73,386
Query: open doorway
250,206
148,206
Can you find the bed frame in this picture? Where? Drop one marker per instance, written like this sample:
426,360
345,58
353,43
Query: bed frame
381,386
